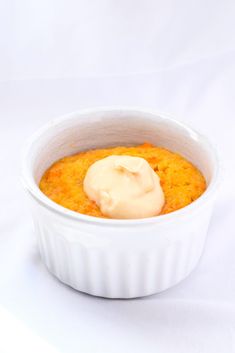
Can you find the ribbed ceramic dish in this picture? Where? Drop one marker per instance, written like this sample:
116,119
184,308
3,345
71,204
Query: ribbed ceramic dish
118,258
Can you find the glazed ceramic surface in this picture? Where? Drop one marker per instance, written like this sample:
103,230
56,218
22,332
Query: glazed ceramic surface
118,258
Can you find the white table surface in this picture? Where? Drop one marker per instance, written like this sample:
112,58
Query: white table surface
40,314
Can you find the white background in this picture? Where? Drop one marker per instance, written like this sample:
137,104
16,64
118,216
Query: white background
59,56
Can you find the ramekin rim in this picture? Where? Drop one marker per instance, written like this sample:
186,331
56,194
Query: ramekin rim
31,186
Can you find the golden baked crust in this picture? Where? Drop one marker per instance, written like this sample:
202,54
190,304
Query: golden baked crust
182,183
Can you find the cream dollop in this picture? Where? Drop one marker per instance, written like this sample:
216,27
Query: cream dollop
124,187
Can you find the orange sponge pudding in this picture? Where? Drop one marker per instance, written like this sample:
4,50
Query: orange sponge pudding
181,182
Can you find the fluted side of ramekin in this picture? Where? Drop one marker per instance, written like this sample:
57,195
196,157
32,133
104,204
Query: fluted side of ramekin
119,263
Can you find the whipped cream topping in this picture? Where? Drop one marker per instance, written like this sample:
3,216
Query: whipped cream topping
124,187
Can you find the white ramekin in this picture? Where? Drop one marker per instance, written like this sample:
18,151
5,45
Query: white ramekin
118,258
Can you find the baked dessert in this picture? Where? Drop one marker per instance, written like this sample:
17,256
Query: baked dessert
181,182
